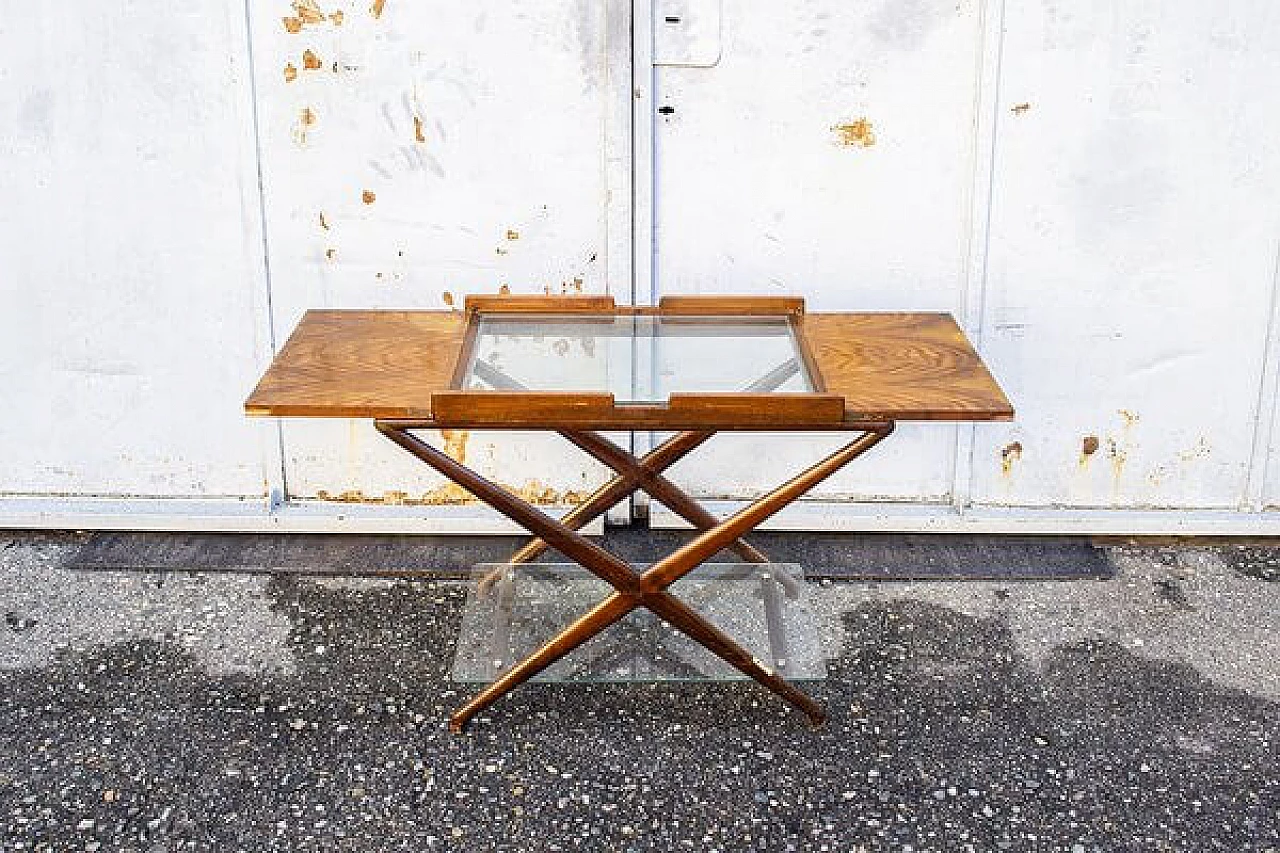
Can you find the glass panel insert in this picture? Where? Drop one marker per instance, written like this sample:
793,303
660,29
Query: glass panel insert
528,604
637,358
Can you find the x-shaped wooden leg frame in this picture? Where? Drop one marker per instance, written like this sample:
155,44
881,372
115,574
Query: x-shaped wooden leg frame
634,589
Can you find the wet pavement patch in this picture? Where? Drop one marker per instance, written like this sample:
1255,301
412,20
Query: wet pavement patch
941,737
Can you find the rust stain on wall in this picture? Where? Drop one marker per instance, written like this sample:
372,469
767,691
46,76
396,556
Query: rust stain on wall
1130,418
1119,455
310,61
856,134
418,135
290,72
448,298
377,7
306,120
1010,454
308,11
566,287
455,443
368,196
451,494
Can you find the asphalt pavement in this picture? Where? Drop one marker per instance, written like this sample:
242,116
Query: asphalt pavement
149,711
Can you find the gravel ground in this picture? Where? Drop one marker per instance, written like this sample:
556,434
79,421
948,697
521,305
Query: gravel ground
159,712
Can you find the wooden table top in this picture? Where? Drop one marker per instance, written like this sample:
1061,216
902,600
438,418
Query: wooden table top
401,365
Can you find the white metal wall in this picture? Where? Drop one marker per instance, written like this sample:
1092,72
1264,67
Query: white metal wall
414,153
1090,187
129,261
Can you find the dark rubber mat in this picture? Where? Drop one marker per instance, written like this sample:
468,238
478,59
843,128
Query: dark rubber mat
843,556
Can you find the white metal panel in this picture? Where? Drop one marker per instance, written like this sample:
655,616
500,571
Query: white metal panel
1132,252
127,252
414,153
829,153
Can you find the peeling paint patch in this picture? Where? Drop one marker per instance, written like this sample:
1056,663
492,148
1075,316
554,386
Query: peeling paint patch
324,223
455,443
1019,109
1010,454
418,135
1118,455
504,290
368,196
331,253
856,134
377,7
306,120
513,235
290,72
566,287
310,61
1089,445
561,347
448,298
451,494
308,11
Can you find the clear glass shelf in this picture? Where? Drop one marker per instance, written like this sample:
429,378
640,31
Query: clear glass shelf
762,606
637,358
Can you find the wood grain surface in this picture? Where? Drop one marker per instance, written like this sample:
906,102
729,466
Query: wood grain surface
512,303
361,364
389,364
729,305
905,367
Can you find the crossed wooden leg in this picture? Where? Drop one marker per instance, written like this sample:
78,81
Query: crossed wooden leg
632,589
644,474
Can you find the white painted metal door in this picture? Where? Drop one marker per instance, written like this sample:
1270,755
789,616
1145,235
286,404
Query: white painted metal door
826,153
1089,187
414,153
129,262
